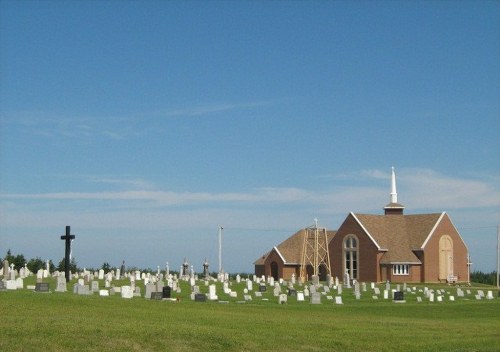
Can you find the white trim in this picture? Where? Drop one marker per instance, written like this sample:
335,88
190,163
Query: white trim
282,258
366,231
433,229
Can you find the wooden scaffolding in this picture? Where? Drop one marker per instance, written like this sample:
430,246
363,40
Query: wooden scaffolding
315,251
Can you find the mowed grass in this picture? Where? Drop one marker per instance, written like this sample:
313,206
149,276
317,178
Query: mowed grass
69,322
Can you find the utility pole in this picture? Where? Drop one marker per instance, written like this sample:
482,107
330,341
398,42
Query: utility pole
498,256
220,249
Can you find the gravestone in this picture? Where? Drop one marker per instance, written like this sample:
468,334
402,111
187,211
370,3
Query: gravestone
104,293
149,289
338,300
127,292
156,296
419,299
83,290
68,237
20,283
376,291
282,299
2,286
61,284
262,288
316,298
399,296
315,280
5,268
94,286
200,297
212,296
300,296
249,285
292,292
166,292
11,285
42,287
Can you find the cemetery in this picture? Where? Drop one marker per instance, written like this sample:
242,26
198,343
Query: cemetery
185,310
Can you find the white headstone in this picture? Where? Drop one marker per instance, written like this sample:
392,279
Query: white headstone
282,299
127,292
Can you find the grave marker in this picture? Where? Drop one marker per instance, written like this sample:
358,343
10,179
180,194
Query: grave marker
67,251
42,287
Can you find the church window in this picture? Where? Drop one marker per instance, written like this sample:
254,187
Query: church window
351,256
401,269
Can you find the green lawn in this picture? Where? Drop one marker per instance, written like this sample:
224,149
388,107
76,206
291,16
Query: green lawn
67,322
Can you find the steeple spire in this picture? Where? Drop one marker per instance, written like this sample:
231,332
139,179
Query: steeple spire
394,194
393,208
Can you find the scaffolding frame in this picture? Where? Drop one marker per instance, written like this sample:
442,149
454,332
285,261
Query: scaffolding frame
315,251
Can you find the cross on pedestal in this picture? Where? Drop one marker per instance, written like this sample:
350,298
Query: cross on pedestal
68,239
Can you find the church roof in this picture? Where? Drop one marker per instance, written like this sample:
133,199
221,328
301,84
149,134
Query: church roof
291,248
399,235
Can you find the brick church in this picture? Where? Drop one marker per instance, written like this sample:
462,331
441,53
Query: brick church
375,248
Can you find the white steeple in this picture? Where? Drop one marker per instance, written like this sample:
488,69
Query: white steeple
394,208
394,194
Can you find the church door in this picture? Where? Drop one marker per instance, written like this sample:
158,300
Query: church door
445,257
274,270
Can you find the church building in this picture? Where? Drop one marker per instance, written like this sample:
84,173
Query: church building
375,248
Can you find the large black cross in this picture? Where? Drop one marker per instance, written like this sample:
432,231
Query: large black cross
68,239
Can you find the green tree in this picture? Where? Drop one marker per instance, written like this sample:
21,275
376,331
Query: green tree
35,264
18,260
72,265
106,267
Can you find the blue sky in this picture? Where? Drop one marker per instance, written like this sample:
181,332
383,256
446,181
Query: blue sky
145,125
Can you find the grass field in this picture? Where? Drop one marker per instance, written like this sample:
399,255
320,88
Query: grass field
54,321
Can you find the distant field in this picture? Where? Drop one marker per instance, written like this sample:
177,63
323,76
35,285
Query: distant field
68,322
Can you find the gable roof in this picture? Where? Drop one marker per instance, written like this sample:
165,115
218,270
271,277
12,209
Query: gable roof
399,235
290,250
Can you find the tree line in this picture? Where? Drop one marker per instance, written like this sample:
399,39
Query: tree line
35,264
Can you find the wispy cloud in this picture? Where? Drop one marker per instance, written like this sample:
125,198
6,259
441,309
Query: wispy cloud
78,127
213,108
417,188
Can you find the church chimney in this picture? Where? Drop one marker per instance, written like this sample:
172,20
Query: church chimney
393,208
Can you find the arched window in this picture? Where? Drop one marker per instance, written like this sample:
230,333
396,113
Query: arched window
351,256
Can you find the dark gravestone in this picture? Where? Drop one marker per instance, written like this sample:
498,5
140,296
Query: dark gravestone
399,296
157,296
166,292
200,297
2,286
67,251
42,287
292,292
262,288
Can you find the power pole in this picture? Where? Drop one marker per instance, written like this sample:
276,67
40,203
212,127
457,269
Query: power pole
220,249
498,256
